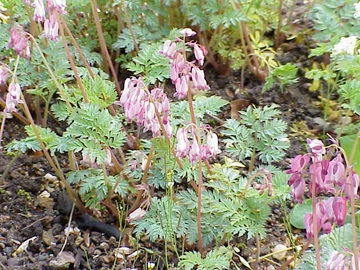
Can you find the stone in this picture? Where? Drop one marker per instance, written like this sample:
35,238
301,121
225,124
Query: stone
279,252
48,238
62,260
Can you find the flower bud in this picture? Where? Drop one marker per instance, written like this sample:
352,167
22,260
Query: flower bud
187,32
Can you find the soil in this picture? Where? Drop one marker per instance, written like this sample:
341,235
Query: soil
28,197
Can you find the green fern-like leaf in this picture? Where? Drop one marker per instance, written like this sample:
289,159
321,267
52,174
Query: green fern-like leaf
149,63
50,139
23,145
259,132
238,139
102,129
60,110
350,93
283,74
94,188
230,18
328,18
202,105
162,221
218,258
100,91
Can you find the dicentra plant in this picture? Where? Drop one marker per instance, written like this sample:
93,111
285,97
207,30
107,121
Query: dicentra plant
326,176
144,150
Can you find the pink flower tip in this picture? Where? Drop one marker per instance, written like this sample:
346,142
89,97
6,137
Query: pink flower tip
188,32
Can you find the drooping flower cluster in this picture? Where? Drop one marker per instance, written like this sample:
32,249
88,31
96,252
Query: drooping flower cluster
265,183
185,75
19,42
142,105
196,150
329,212
327,176
51,26
13,97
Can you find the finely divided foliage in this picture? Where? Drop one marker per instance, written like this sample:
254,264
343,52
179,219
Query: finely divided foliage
232,204
153,150
257,132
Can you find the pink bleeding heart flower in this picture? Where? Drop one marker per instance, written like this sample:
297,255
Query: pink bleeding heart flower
200,53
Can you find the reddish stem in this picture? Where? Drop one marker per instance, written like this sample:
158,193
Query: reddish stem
315,223
74,42
253,63
104,50
200,182
198,214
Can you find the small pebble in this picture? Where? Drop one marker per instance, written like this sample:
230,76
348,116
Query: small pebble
279,252
48,238
104,246
122,250
62,260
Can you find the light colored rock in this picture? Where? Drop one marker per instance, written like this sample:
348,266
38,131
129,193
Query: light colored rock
50,177
23,246
63,260
123,250
279,252
45,201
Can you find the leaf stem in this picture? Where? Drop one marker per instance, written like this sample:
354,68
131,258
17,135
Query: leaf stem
350,185
53,77
76,45
199,207
129,25
315,223
278,33
107,59
71,60
200,181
